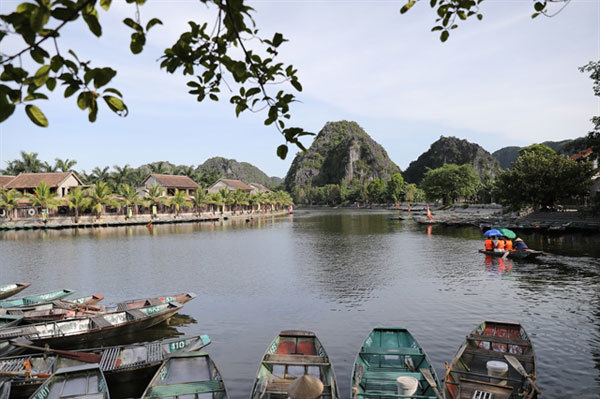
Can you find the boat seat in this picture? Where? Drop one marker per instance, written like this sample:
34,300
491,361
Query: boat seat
468,387
390,375
500,340
121,307
379,350
109,358
301,360
188,388
280,386
100,321
498,355
136,314
154,302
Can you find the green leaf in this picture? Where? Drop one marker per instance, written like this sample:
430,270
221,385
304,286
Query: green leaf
296,84
39,54
105,4
116,105
114,91
36,96
72,89
137,43
36,115
534,15
82,100
92,22
56,63
480,16
51,84
277,39
539,6
41,76
282,151
252,91
152,22
213,97
132,24
6,110
435,28
444,36
407,6
103,76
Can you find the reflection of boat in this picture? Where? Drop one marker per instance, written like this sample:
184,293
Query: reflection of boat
35,299
484,363
396,218
120,364
387,354
12,289
526,254
187,375
293,354
81,382
77,331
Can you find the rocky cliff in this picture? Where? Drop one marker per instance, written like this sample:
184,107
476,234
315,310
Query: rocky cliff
232,169
451,150
341,150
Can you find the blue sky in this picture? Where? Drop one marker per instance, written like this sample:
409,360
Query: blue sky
506,80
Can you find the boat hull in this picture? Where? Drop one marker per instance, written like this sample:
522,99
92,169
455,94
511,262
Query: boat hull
528,254
12,289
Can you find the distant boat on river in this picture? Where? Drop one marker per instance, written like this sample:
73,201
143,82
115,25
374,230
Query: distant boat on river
520,254
291,355
496,360
8,290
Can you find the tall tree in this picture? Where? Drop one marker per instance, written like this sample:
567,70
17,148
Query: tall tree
198,198
128,197
593,137
99,175
395,188
78,201
99,196
64,165
376,191
178,201
450,182
543,179
9,200
43,197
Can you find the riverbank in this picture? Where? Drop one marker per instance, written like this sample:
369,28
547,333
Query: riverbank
68,222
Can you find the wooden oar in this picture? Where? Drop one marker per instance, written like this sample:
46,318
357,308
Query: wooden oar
81,356
519,367
25,372
458,355
431,381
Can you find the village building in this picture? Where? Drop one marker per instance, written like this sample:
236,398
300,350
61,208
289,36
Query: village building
229,185
259,188
170,183
59,182
4,180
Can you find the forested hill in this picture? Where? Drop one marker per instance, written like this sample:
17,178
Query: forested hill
232,169
455,151
341,150
507,155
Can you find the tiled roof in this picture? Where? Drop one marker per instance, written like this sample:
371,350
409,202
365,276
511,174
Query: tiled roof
31,180
582,154
260,187
4,180
236,184
174,181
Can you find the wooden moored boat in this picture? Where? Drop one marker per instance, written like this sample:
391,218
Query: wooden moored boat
120,364
36,299
187,375
8,290
86,306
387,354
526,254
9,320
72,332
293,354
496,361
82,382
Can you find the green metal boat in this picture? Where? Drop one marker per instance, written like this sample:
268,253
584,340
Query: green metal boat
186,375
12,289
36,299
389,356
293,354
81,382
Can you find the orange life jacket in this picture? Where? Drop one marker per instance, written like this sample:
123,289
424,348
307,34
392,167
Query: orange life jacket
489,245
500,244
508,245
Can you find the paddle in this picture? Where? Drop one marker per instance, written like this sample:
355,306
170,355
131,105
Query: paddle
431,381
519,367
41,375
81,356
458,355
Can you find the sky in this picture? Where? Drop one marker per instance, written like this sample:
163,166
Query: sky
503,81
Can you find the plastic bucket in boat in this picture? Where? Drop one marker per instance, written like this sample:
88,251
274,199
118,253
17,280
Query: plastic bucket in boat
407,385
497,368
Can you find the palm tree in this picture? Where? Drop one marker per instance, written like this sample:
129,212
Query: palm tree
76,199
198,199
30,162
239,198
129,196
215,199
48,168
99,175
121,174
160,167
64,165
225,198
178,200
44,198
154,195
257,199
9,201
99,195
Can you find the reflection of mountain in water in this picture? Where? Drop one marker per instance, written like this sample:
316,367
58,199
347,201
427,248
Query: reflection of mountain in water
343,256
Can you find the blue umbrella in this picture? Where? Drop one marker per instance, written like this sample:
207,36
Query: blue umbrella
492,232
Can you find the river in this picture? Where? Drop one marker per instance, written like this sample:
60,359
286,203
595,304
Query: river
338,273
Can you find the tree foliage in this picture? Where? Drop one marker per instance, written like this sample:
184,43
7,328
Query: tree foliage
593,137
208,54
450,182
542,179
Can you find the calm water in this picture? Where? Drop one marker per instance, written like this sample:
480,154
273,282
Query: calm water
338,273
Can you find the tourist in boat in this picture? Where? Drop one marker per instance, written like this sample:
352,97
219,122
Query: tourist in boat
508,245
498,245
488,244
520,245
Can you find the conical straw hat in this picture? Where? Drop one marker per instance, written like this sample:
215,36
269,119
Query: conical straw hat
305,387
